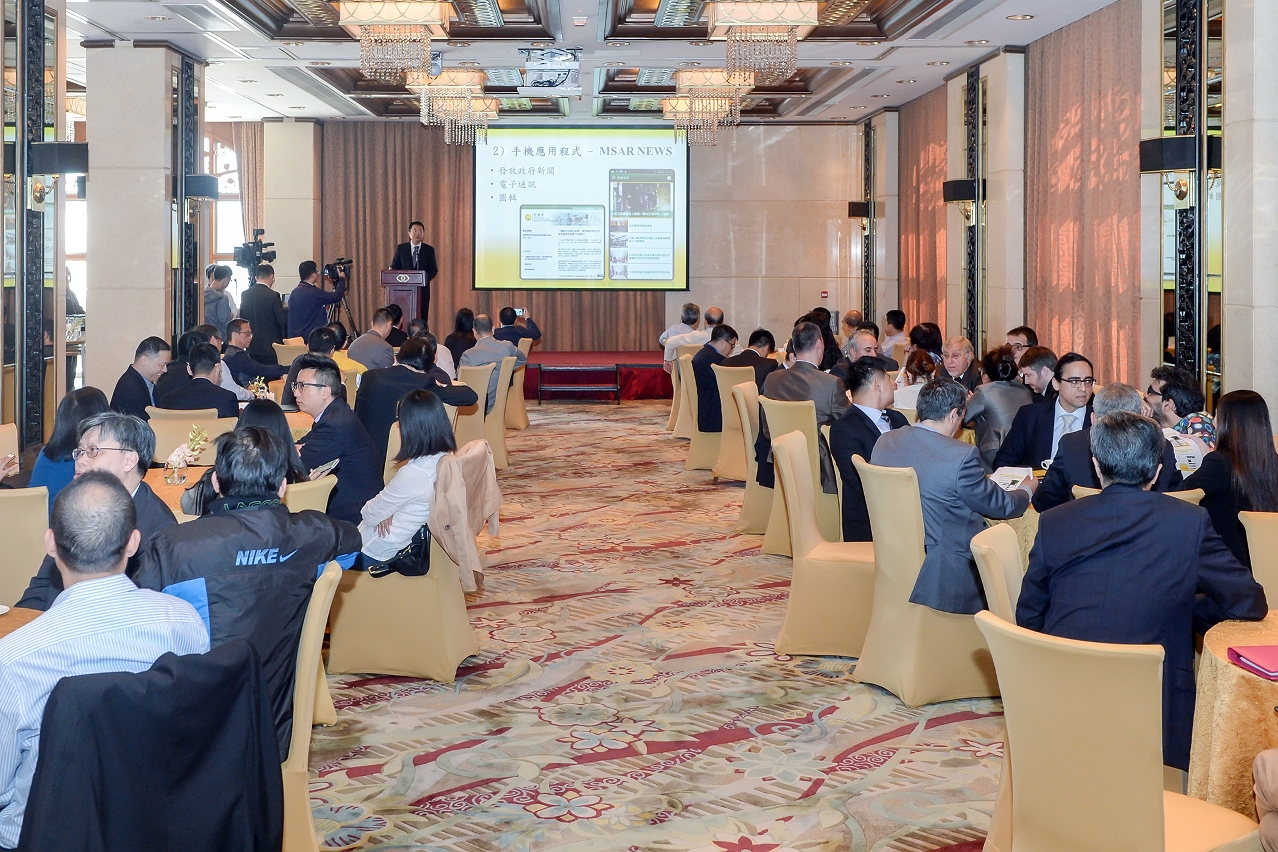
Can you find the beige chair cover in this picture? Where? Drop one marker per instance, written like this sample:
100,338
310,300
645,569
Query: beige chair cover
684,422
466,495
299,496
703,449
997,552
179,414
495,420
756,504
832,587
919,654
787,416
287,352
9,440
1262,545
470,418
24,516
172,432
675,401
516,405
1193,495
731,463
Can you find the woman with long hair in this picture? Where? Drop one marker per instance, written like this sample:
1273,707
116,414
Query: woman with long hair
54,468
924,337
1241,474
919,370
993,405
398,515
463,335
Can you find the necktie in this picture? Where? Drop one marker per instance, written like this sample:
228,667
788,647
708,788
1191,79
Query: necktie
885,425
415,256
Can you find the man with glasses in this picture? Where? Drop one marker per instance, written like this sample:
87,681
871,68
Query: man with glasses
337,434
121,445
1021,338
1037,430
241,364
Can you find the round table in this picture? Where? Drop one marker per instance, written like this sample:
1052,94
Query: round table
1234,717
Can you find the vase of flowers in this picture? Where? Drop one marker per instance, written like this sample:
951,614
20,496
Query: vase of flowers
258,388
185,455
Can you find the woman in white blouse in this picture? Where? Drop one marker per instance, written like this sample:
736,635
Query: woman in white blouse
393,517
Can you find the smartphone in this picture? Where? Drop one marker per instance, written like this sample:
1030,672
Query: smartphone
519,312
325,468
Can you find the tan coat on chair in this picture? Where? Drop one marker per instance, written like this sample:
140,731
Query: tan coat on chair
466,495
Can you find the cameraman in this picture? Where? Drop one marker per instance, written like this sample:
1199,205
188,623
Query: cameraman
308,303
261,306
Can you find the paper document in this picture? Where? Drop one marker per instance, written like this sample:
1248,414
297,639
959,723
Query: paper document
1008,478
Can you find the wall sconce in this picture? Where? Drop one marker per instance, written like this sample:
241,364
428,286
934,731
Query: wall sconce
48,162
859,210
1175,158
199,188
963,193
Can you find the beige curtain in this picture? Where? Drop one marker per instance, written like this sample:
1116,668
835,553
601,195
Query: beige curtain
1082,190
381,175
922,168
248,139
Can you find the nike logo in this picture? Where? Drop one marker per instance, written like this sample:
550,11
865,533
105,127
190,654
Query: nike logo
286,557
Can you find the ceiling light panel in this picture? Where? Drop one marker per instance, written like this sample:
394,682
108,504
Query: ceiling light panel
505,77
203,17
479,13
655,76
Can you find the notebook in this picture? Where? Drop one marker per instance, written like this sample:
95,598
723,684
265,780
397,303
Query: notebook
1260,660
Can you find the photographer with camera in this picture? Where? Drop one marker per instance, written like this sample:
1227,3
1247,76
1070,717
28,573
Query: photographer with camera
264,310
308,303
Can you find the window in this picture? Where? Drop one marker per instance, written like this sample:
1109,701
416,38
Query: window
226,222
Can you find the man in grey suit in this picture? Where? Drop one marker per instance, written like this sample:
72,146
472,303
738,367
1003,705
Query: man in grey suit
956,496
371,348
490,350
803,381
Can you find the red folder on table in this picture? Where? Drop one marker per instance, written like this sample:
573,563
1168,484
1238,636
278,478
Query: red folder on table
1260,660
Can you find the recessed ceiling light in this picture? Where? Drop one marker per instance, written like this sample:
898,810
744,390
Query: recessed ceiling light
689,64
247,81
459,44
906,82
157,17
840,63
291,43
214,62
859,106
613,64
320,63
880,96
617,43
941,62
468,64
701,43
1020,17
579,21
274,95
867,43
978,41
543,44
297,107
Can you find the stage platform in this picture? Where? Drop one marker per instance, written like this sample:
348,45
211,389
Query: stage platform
609,375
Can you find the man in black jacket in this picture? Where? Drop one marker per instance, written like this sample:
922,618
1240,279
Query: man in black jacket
337,434
756,356
416,254
248,566
723,339
264,310
121,445
136,388
377,403
856,432
205,366
238,360
1037,428
176,375
1073,462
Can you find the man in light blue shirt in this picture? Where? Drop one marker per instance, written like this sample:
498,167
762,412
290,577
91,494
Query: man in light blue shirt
100,623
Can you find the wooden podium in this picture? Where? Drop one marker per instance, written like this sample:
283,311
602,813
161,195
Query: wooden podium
403,288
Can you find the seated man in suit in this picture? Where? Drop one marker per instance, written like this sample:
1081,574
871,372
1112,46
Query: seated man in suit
1073,465
709,408
757,356
228,381
121,445
864,343
869,417
696,337
176,375
1037,366
893,331
959,361
490,350
322,342
241,364
803,381
205,366
336,434
371,348
956,495
1135,567
515,327
249,565
689,319
377,403
397,336
135,390
1037,429
101,623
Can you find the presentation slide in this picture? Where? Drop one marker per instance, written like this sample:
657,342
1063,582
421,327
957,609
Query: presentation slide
578,209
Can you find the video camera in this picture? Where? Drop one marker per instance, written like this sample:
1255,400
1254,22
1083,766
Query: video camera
251,255
341,265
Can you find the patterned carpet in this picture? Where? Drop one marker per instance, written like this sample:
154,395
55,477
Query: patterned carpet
627,696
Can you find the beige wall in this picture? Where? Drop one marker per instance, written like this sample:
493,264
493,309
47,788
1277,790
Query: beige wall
769,227
291,152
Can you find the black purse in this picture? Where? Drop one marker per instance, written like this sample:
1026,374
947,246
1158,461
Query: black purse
413,560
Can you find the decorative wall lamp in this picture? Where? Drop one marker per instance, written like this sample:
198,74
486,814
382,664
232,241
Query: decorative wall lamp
199,188
1176,159
49,162
963,193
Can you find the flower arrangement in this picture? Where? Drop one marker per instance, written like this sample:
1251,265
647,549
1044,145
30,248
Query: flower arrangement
258,388
188,453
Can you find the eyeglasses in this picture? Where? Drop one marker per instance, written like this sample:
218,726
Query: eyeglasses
92,452
1149,391
297,386
1078,382
1018,347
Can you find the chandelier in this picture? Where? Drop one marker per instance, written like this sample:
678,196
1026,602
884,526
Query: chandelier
763,37
454,100
394,35
714,91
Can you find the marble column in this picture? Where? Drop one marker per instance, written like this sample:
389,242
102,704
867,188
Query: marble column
130,205
291,157
1251,199
887,240
1004,78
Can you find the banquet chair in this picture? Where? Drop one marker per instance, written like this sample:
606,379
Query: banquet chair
675,402
756,504
919,654
1088,774
183,518
179,414
24,516
350,378
1193,495
684,423
299,496
299,825
786,416
703,447
997,552
731,463
9,440
277,390
173,432
516,405
838,478
287,352
495,420
832,584
1262,544
393,442
470,418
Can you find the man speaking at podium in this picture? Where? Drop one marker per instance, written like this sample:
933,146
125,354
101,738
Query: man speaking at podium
416,254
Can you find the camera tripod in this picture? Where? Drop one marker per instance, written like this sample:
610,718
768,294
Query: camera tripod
335,310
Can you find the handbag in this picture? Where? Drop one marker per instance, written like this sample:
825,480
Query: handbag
412,560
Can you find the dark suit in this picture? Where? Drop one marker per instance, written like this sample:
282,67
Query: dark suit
802,381
201,393
1124,567
425,263
971,377
843,367
264,309
396,337
854,434
1029,441
338,434
377,403
709,407
1073,466
245,369
153,516
1215,477
515,333
174,376
762,366
131,395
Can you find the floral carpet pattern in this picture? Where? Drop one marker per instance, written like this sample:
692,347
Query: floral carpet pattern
627,695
